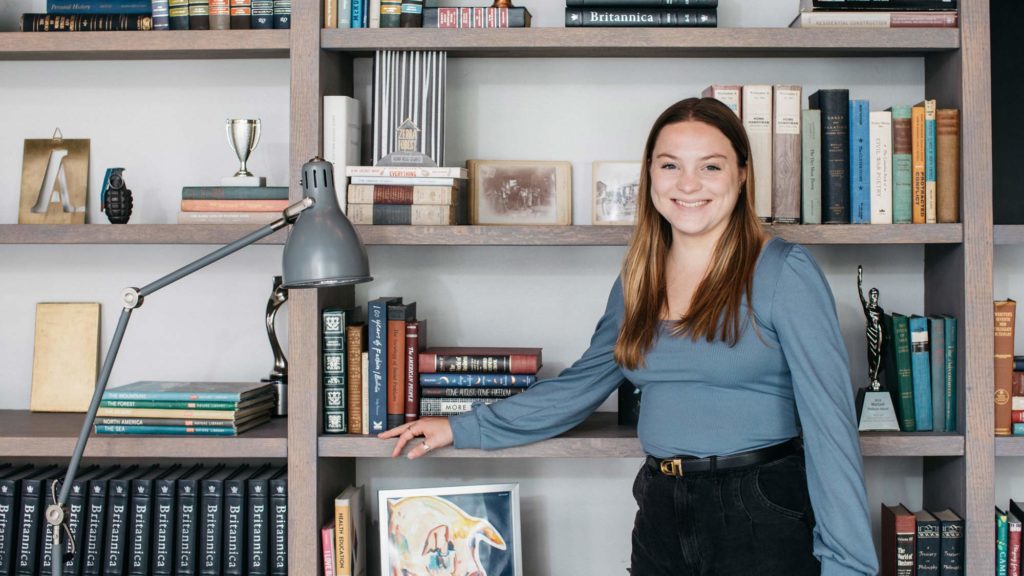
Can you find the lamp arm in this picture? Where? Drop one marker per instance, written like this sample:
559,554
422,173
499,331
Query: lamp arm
56,512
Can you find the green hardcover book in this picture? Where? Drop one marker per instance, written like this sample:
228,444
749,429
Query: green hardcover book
902,165
334,366
188,391
1002,538
169,404
898,371
390,13
949,380
936,362
234,193
810,193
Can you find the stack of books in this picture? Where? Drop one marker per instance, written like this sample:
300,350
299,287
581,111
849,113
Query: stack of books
94,15
232,204
185,408
642,13
398,195
453,379
877,14
928,542
473,17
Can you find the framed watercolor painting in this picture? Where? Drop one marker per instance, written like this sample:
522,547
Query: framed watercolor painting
428,531
520,192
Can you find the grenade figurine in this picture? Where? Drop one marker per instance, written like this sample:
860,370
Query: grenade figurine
115,200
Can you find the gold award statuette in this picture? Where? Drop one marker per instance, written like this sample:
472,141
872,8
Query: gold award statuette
243,136
874,404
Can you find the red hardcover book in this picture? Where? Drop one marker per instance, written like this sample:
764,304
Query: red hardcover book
1005,315
1013,545
487,360
898,531
399,315
415,341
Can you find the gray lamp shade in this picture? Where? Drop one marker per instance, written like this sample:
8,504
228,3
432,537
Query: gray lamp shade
323,248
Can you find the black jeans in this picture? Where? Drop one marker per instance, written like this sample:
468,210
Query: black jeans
752,520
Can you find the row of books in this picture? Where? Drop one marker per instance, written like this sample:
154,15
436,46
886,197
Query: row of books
1008,540
641,13
413,14
380,373
922,542
838,162
185,408
416,196
142,520
877,14
232,204
920,366
93,15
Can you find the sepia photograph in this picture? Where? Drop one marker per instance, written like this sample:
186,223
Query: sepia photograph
614,192
520,192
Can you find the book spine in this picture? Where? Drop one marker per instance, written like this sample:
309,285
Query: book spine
220,14
377,358
234,192
475,392
947,169
330,15
199,14
95,529
786,151
936,360
114,394
392,194
168,404
257,544
234,527
921,373
919,188
929,161
241,17
1002,535
476,17
730,95
355,336
641,17
399,315
118,518
1012,546
450,406
881,167
952,563
327,548
495,364
358,6
9,492
901,380
431,181
77,516
161,413
923,20
211,526
177,11
885,4
810,189
161,15
645,3
30,515
342,538
262,14
757,120
342,138
835,139
391,13
140,546
413,345
163,528
175,430
248,218
860,162
404,215
279,529
233,205
949,367
1005,317
333,369
85,22
188,527
927,547
902,165
282,14
412,14
71,7
438,379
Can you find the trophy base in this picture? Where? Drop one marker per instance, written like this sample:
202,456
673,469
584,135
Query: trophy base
244,181
280,395
875,411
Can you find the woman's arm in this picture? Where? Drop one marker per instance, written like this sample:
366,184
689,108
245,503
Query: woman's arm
804,317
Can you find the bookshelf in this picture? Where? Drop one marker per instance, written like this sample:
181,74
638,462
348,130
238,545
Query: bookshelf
958,469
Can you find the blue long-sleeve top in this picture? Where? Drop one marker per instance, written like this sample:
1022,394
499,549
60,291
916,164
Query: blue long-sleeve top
788,372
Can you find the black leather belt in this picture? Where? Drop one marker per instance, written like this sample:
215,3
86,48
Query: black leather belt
689,464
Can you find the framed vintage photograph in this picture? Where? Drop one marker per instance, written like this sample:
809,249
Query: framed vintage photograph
518,192
428,531
614,192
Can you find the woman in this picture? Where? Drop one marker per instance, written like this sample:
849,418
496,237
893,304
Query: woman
733,338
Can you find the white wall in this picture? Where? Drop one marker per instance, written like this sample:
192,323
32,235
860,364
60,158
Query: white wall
163,121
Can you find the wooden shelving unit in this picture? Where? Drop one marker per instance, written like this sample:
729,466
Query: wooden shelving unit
958,469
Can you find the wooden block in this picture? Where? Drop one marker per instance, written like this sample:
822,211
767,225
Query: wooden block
66,358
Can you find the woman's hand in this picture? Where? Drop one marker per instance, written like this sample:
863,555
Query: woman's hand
436,433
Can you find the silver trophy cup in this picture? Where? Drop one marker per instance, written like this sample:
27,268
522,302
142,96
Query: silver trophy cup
243,136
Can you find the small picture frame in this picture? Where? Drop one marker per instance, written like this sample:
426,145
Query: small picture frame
615,188
520,192
429,530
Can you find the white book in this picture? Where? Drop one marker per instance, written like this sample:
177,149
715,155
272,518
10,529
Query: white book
365,372
342,138
880,137
757,120
728,95
374,7
344,13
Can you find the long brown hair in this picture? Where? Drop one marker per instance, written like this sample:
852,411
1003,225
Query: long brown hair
715,308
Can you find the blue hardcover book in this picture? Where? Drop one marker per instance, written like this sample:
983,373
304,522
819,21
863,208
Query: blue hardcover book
937,359
188,391
902,166
1018,429
161,15
929,159
99,6
921,372
358,7
860,162
949,368
377,359
262,14
443,380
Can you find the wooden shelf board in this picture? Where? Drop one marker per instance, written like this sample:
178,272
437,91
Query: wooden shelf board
155,45
27,434
601,437
646,42
217,234
1008,234
1010,446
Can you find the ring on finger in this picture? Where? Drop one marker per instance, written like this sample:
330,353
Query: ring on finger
426,447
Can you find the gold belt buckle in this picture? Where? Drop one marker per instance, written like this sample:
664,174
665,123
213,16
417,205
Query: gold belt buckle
672,467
